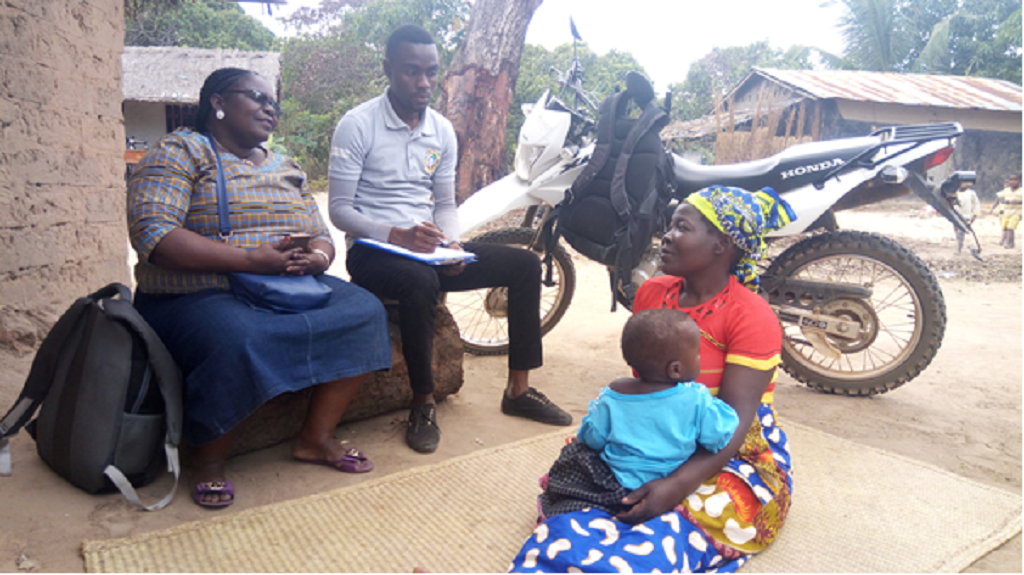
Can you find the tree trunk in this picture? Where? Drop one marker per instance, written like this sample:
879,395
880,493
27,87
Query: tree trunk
479,85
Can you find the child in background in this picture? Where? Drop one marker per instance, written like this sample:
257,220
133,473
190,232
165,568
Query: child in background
968,206
1009,203
640,428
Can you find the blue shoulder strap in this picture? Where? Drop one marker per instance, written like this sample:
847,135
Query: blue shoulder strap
224,220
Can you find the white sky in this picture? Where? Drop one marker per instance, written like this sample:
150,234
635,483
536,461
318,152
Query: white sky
665,36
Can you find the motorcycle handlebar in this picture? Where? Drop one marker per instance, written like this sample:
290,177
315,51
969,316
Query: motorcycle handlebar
573,80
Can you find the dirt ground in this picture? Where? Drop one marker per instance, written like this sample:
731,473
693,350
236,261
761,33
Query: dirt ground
962,414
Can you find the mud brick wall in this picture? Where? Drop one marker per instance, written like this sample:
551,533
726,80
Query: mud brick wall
62,223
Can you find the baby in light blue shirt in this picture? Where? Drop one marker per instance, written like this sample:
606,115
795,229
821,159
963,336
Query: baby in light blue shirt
642,427
645,427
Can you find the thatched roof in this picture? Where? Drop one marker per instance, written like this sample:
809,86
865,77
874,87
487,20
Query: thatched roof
177,74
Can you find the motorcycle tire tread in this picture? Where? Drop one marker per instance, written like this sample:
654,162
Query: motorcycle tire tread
904,262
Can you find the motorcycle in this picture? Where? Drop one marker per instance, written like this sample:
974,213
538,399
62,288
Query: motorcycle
861,314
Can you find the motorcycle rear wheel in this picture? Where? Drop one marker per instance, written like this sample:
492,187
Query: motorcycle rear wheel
482,314
907,313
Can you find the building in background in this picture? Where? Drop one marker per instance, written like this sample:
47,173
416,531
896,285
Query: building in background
810,105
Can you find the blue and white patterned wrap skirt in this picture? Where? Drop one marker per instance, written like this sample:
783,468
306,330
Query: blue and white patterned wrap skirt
730,517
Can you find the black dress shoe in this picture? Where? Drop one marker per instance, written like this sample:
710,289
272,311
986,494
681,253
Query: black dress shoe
534,405
423,434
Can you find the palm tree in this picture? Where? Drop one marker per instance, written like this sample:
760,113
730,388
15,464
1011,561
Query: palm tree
963,37
879,37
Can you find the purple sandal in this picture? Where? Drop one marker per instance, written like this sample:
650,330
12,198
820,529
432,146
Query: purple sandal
352,462
220,487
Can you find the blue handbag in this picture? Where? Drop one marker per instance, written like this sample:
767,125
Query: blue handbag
285,294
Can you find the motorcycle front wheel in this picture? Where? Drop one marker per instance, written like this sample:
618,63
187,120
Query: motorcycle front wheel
903,322
482,315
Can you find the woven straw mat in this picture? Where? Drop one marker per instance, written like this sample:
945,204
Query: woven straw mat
855,509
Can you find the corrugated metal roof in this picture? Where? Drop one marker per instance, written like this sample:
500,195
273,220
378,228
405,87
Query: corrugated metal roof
906,89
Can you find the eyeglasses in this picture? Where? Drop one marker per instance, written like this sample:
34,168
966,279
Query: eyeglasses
260,98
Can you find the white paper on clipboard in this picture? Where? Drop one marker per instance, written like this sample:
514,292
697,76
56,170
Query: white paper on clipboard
439,257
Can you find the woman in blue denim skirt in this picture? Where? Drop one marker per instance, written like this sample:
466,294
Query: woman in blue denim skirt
234,356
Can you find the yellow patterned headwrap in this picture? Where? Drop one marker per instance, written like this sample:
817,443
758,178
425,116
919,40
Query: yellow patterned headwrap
745,217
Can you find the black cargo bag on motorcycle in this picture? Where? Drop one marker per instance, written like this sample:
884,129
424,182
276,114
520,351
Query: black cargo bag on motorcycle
613,208
110,397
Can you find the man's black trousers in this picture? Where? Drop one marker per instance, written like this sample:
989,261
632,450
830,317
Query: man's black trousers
417,287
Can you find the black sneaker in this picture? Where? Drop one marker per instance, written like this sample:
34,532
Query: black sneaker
423,434
536,406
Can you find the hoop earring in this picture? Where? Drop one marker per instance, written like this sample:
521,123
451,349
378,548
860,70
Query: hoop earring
220,114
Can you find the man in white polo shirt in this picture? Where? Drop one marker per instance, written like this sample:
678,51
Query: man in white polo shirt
392,179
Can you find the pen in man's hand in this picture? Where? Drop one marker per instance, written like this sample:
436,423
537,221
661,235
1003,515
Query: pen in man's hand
438,236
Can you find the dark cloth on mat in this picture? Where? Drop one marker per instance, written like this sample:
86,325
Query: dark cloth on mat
579,479
235,357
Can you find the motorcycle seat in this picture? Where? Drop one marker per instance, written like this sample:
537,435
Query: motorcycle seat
793,167
691,176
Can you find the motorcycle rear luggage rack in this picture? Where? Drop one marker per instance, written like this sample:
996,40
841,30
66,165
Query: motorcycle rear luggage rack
918,134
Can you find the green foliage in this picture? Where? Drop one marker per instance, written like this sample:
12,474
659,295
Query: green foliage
960,37
306,137
723,68
602,74
322,74
368,23
335,61
1005,49
985,39
878,35
194,24
935,57
444,19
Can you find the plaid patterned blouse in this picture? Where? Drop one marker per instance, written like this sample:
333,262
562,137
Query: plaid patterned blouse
175,186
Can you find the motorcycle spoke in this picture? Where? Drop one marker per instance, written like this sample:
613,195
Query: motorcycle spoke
901,341
489,332
882,356
896,294
472,318
849,362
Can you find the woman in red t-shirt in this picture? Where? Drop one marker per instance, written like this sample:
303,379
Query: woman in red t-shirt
716,509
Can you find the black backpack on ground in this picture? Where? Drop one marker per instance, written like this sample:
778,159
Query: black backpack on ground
615,205
111,399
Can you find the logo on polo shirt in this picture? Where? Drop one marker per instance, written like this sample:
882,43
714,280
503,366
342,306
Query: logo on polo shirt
431,160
